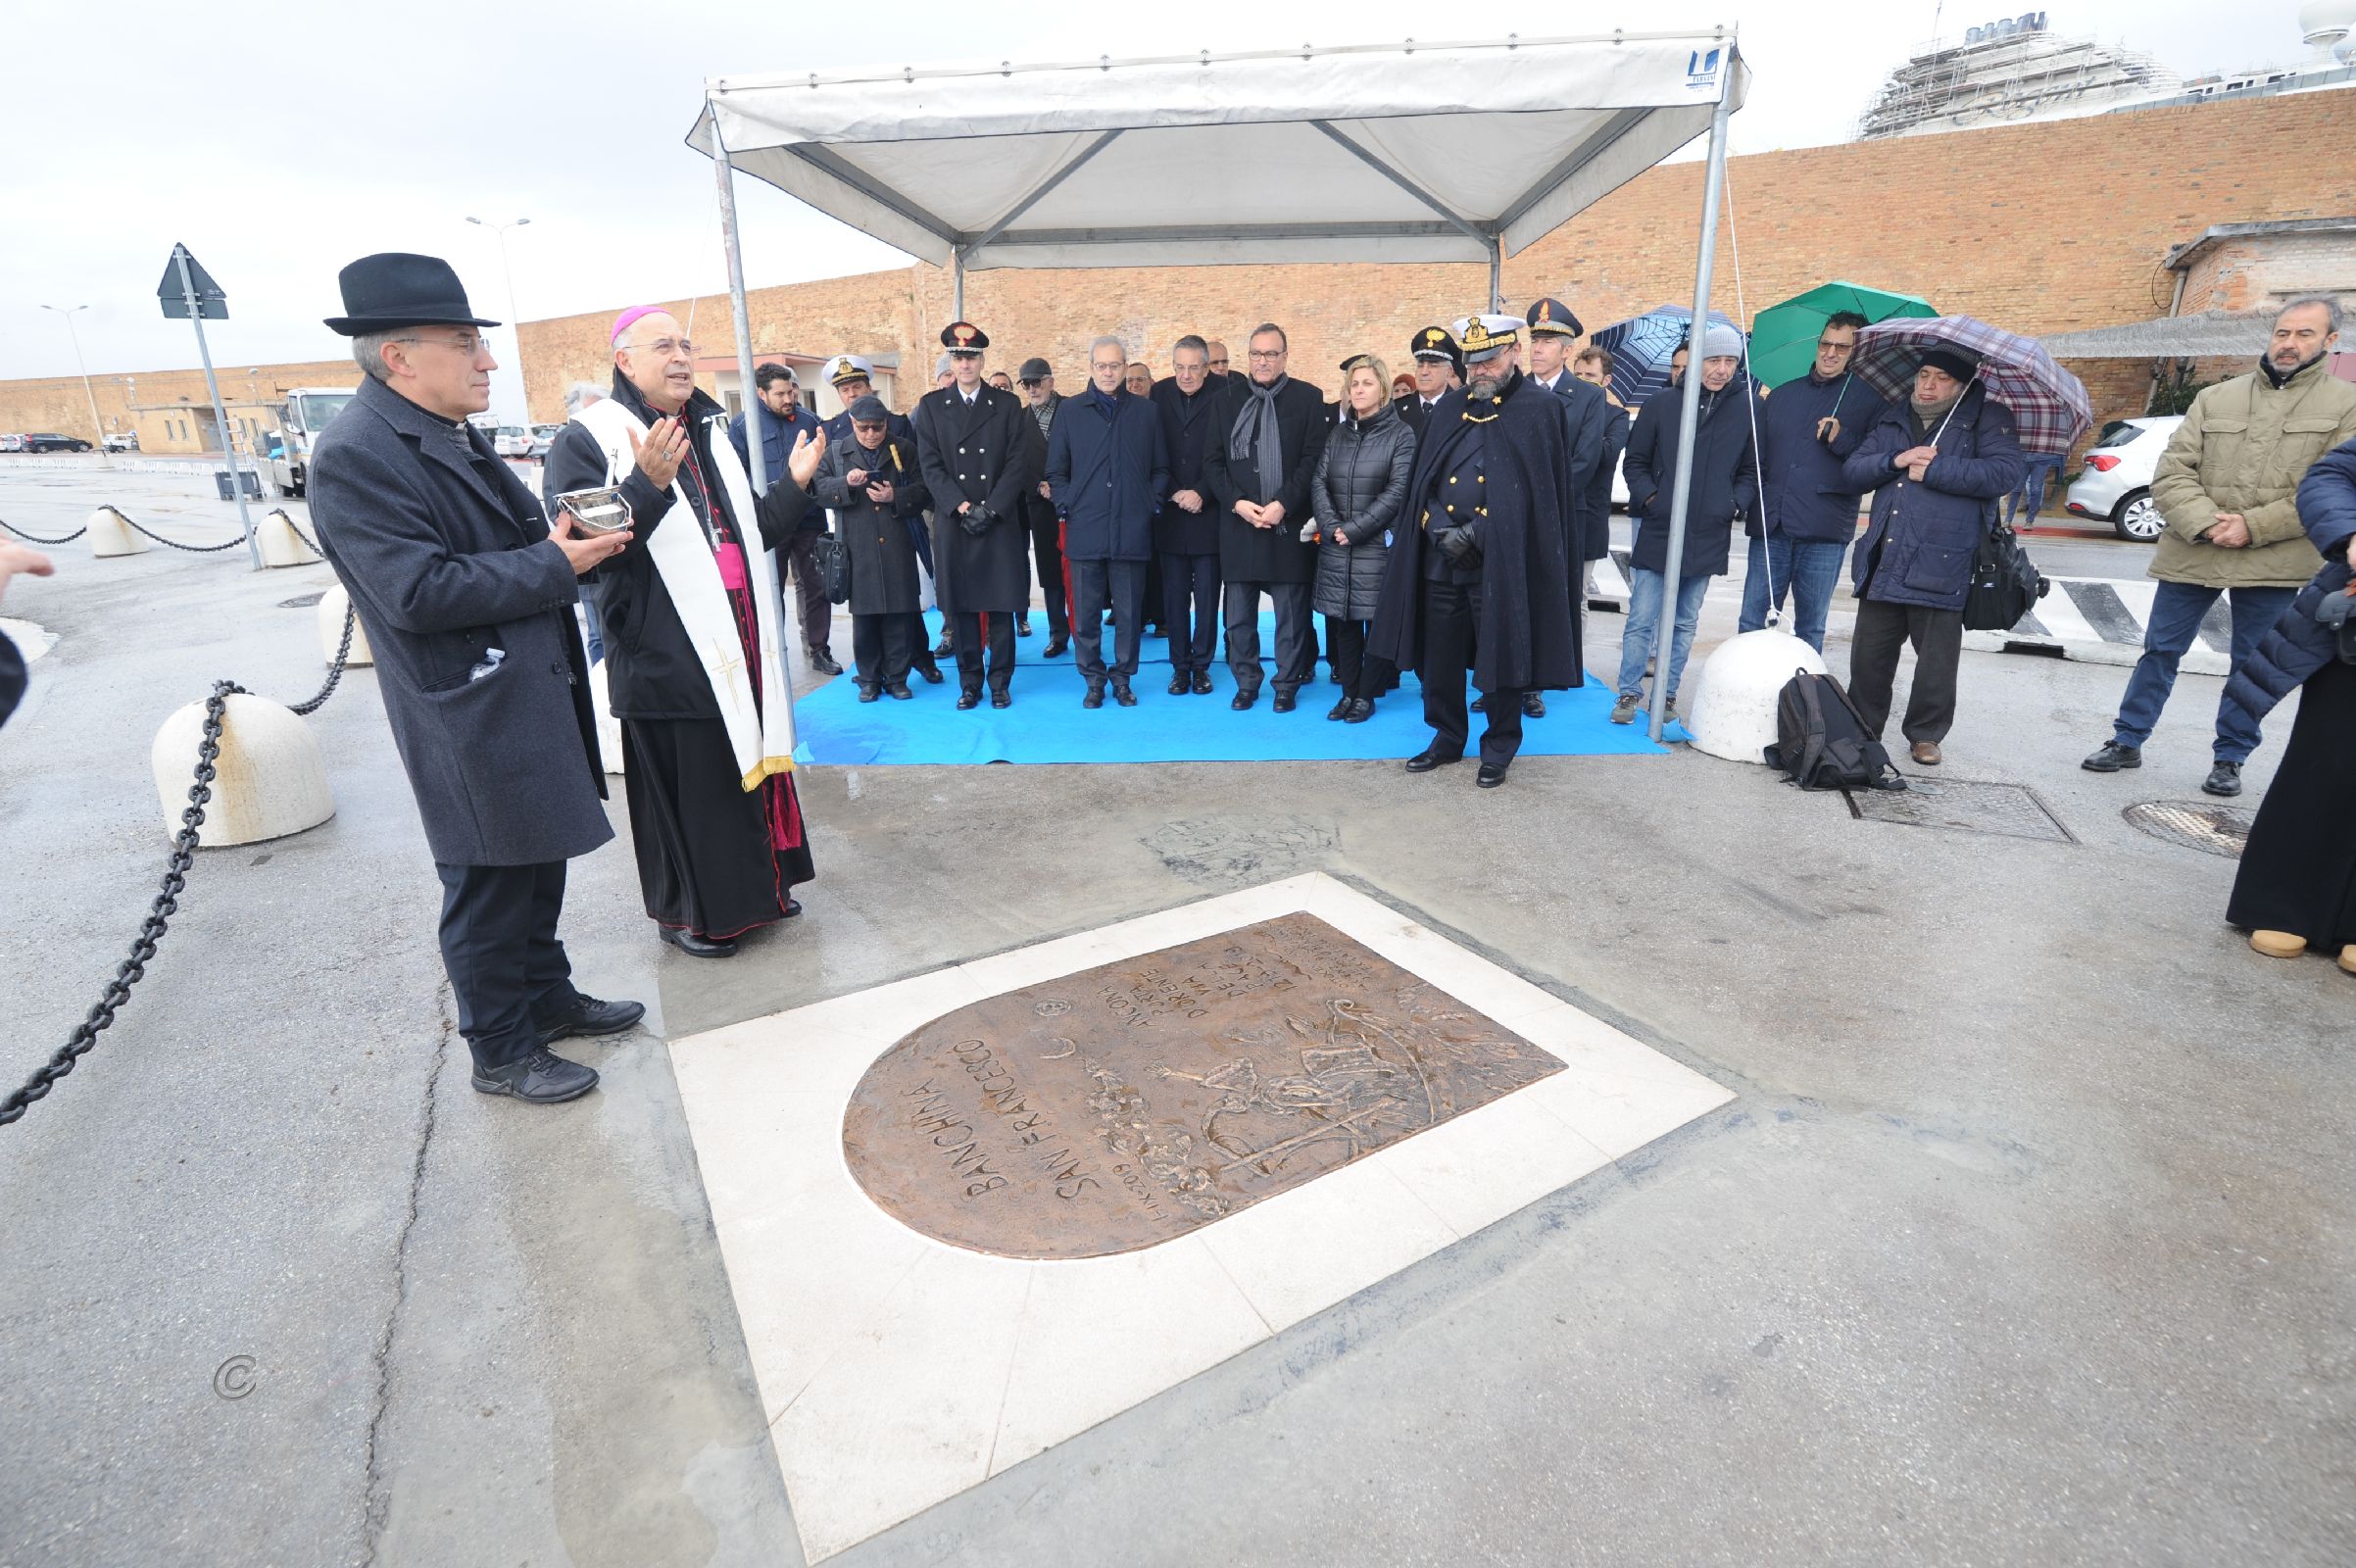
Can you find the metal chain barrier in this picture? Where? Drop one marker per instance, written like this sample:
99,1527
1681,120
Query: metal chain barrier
34,538
194,550
309,543
176,877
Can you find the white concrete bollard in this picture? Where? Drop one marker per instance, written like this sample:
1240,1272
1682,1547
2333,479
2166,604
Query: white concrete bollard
281,545
111,534
1734,716
332,606
269,781
609,728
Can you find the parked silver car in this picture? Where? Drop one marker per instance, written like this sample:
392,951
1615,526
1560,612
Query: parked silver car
2116,483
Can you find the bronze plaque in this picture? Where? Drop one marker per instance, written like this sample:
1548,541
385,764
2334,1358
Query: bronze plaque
1136,1101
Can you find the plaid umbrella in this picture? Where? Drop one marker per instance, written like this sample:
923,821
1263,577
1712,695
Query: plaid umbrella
2048,404
1639,348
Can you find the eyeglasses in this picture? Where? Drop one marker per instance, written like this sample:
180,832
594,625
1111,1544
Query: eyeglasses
471,344
1823,346
1267,354
665,346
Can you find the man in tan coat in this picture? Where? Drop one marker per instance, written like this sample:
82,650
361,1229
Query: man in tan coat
2227,486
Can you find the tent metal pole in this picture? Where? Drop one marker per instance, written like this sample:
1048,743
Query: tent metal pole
1497,273
956,283
1664,632
724,173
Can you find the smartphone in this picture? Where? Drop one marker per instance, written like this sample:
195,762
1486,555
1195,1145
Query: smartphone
594,511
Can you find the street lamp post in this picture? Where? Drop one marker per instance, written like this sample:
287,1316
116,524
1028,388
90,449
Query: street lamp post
97,429
515,324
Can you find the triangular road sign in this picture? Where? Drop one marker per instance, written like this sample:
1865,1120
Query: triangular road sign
212,303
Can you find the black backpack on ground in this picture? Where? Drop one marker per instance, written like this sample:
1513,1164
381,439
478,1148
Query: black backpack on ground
1821,743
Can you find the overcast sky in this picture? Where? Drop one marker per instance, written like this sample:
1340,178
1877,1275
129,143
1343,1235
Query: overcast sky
282,142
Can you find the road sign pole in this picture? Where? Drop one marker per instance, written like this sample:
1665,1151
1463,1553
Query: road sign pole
221,416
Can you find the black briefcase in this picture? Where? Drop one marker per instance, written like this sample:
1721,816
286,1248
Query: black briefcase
2005,583
834,567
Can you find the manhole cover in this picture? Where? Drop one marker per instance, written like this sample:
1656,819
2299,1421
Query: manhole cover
2011,811
305,601
2215,829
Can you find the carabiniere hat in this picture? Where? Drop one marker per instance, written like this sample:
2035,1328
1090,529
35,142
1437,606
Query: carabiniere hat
1552,319
963,337
1435,343
396,290
1033,370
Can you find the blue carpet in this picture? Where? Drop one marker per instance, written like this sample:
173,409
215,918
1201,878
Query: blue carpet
1048,724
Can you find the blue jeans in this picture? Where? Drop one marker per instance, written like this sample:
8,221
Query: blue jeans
2175,615
1805,571
1644,623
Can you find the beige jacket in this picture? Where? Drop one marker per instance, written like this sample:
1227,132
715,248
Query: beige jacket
2243,447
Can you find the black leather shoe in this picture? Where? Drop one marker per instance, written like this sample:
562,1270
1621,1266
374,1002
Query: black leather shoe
942,650
1095,697
541,1078
1361,709
1283,702
793,907
967,700
1001,699
2223,779
1340,710
1243,700
823,662
1056,647
1123,695
1533,706
591,1017
694,946
931,673
1022,625
2112,757
1202,684
1425,760
1492,774
898,691
1178,685
867,693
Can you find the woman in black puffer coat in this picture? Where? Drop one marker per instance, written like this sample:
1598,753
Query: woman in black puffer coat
1355,497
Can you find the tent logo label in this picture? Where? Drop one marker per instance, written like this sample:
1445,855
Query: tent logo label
1701,68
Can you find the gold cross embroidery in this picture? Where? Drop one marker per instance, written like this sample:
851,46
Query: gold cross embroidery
726,661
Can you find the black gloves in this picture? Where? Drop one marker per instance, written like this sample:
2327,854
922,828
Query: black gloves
976,521
1460,545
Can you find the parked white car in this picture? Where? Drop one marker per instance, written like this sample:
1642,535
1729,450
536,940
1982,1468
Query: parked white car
122,441
2116,484
12,443
512,441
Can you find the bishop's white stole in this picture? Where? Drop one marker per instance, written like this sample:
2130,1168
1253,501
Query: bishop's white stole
760,732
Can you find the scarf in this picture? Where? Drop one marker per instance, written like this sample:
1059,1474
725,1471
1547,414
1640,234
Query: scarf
1255,441
760,734
2280,380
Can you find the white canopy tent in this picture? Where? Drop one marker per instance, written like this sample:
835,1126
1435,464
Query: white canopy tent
1401,152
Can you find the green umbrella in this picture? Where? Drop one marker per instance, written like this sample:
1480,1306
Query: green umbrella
1782,339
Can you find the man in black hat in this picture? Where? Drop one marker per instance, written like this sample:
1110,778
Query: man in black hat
853,377
1438,365
1267,435
872,481
1041,401
466,595
1553,327
1477,576
977,466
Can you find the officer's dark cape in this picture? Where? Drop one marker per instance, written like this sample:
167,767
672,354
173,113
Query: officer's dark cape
1528,638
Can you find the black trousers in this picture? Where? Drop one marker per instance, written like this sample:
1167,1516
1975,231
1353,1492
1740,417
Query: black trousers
1095,584
1153,590
1873,666
969,633
1047,553
920,642
881,647
1296,649
1362,675
1452,615
810,588
1190,610
499,947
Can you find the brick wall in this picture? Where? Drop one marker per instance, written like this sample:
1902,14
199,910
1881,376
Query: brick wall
169,408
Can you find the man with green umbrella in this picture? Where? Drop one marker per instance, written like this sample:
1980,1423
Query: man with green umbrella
1807,515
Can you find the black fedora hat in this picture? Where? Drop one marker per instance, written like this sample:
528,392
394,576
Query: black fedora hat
396,290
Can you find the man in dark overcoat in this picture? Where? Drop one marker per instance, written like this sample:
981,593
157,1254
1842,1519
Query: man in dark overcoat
1480,556
1551,327
853,377
1106,471
1438,365
1266,434
977,467
1041,401
872,481
466,595
1186,531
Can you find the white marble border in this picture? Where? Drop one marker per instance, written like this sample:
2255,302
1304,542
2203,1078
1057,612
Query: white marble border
897,1371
